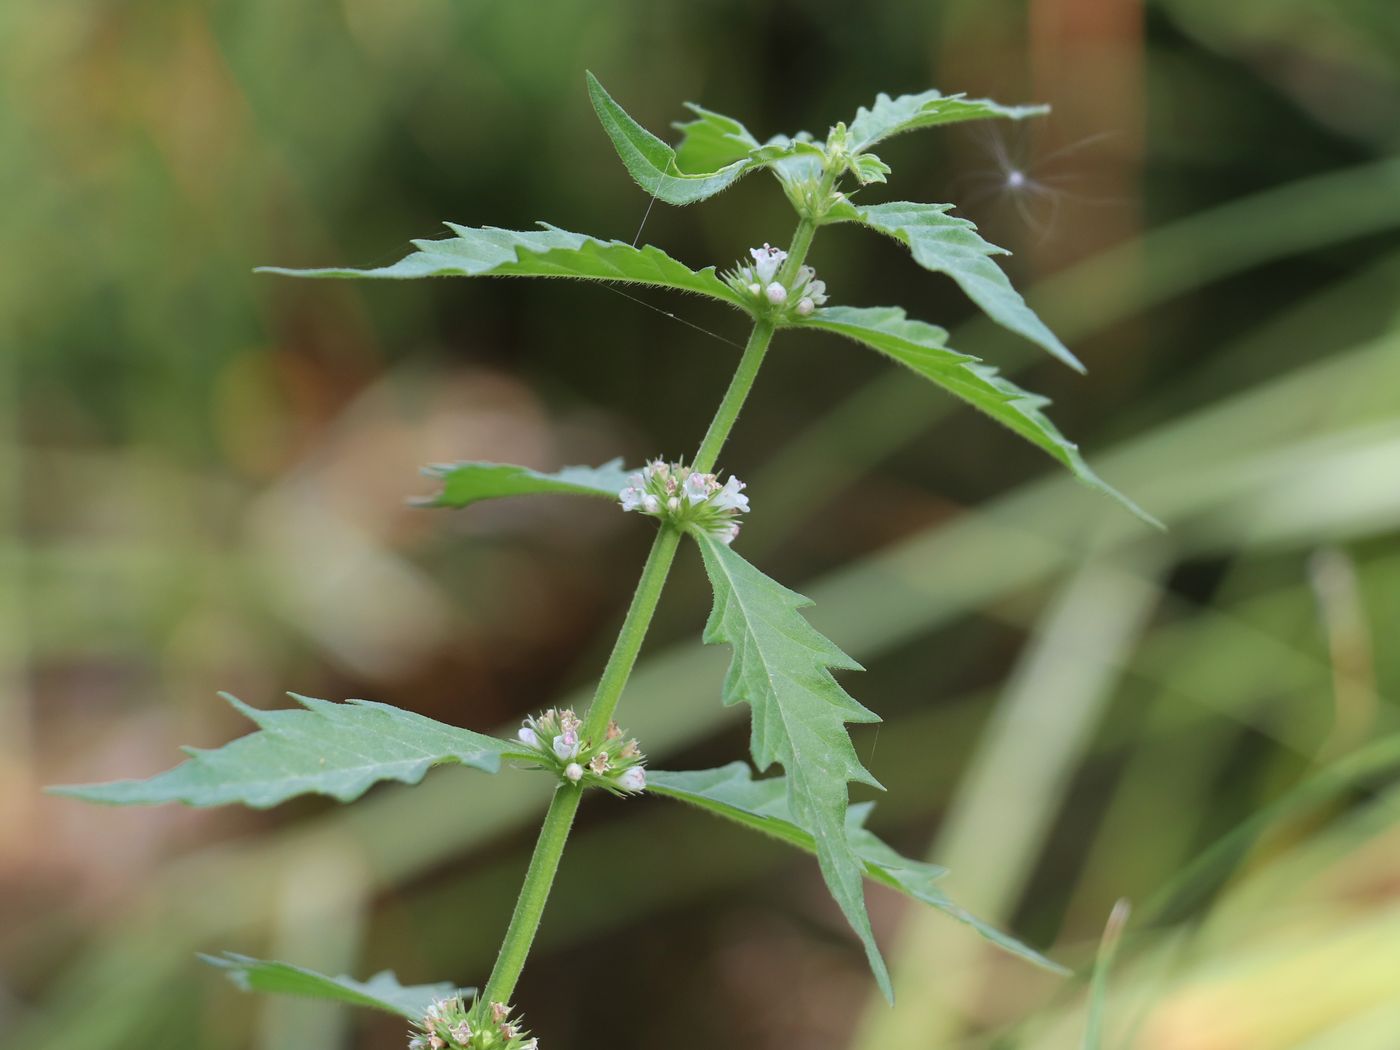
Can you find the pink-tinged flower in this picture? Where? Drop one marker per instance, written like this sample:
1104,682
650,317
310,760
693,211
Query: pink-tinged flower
766,261
634,779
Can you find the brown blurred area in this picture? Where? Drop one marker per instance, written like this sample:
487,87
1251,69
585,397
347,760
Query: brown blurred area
205,478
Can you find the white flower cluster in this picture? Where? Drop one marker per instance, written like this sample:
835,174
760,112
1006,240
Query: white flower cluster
686,498
449,1025
801,296
615,764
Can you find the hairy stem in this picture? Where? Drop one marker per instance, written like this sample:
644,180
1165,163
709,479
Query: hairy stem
549,848
529,906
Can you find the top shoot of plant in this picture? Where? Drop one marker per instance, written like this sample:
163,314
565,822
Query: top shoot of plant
781,666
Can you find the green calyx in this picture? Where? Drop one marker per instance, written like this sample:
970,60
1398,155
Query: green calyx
449,1025
555,741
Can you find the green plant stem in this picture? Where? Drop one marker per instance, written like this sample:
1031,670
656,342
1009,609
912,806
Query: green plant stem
529,906
549,848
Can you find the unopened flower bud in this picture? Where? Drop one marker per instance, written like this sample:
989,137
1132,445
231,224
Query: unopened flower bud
574,772
566,744
805,307
527,737
634,779
776,293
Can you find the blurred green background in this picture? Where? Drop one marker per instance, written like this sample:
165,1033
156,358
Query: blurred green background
203,472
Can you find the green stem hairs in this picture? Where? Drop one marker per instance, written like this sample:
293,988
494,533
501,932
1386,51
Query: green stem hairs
781,666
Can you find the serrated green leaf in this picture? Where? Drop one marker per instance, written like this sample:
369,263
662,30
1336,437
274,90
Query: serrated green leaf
894,116
466,483
711,141
922,348
731,792
652,163
380,992
951,245
782,670
546,252
868,168
323,748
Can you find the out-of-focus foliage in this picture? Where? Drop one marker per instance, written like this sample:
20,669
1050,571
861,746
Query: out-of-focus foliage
203,475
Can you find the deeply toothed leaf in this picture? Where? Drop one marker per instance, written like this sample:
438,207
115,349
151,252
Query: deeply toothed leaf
546,252
466,483
731,792
711,141
322,747
653,164
380,992
894,116
951,245
922,348
782,669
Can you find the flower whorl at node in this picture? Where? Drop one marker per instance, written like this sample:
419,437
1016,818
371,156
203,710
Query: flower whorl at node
554,742
449,1025
800,296
687,499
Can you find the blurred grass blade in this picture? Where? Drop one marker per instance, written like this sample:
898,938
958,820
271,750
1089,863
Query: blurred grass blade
547,252
1209,871
465,483
327,748
923,349
731,792
380,992
1103,964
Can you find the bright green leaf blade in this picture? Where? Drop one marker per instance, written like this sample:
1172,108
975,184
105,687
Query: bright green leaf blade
323,748
782,670
466,483
894,116
951,245
380,992
731,792
921,347
652,163
546,252
711,141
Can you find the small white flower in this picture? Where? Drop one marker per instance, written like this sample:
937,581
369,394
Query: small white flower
805,307
729,533
766,262
630,497
574,772
566,744
696,488
527,737
634,779
732,497
776,293
651,504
